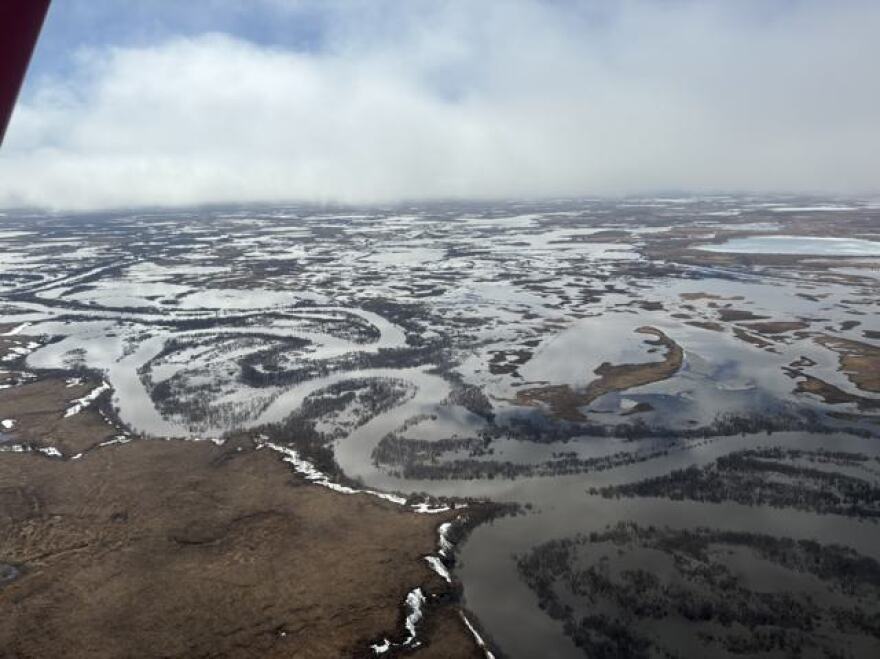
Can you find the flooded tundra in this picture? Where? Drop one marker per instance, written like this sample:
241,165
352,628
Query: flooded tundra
680,398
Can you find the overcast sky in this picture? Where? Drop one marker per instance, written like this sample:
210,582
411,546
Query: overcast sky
163,102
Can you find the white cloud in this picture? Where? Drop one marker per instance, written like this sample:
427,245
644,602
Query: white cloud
494,99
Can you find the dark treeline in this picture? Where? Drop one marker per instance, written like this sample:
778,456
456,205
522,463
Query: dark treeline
602,606
757,477
310,369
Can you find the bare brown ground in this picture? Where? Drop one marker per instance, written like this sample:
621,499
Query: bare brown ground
564,401
183,549
38,409
607,236
742,335
179,549
776,326
707,325
834,395
446,626
859,361
734,315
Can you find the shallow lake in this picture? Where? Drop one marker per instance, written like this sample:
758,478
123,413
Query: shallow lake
797,245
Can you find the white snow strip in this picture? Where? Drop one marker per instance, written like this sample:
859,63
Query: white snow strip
393,498
119,439
445,544
81,403
438,567
308,470
477,638
8,424
426,509
73,382
51,451
17,330
415,600
381,648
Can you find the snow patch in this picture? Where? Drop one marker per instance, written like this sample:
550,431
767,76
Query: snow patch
81,403
477,638
427,509
437,565
49,451
445,543
381,648
415,600
119,439
20,351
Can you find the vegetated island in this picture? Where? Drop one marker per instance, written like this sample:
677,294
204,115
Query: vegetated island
564,401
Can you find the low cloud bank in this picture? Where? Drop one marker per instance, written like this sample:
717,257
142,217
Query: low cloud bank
464,99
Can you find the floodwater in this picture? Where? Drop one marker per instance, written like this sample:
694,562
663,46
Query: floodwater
285,304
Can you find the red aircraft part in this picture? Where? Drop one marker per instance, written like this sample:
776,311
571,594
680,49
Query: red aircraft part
20,23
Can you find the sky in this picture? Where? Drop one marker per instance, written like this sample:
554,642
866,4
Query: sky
162,102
